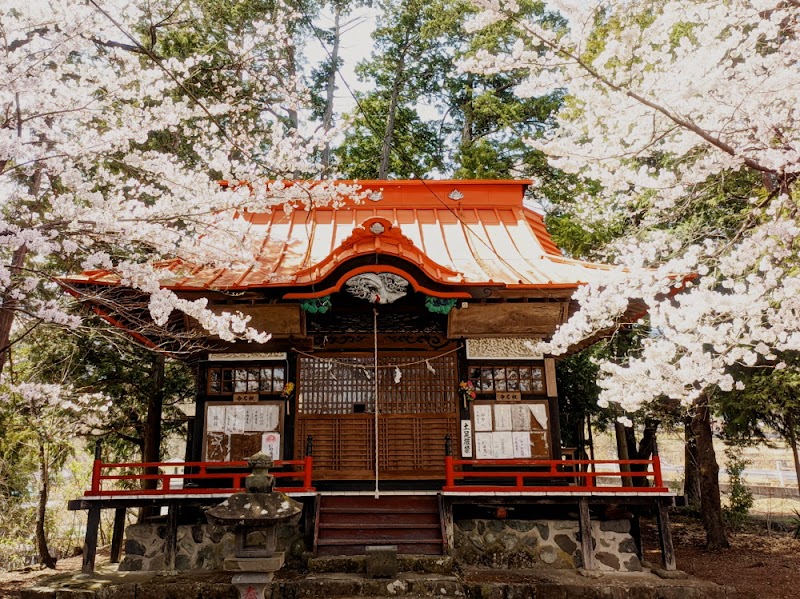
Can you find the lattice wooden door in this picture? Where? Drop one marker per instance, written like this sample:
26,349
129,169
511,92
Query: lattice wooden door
336,405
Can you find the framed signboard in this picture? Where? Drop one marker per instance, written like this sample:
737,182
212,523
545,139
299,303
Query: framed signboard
235,431
508,430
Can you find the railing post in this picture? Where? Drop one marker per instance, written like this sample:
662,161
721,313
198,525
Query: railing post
308,463
658,481
96,465
308,472
450,481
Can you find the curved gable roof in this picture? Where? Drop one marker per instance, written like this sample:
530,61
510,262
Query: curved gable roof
459,233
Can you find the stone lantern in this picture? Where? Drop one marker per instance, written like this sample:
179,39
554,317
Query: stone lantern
254,515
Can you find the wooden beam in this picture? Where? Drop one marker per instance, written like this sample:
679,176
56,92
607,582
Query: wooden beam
90,540
117,534
665,537
585,530
550,377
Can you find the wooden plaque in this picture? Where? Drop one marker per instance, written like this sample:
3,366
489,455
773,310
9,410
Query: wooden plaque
245,398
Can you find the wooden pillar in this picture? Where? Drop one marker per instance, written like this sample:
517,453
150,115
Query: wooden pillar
90,540
446,515
171,538
585,529
552,400
665,537
636,532
118,533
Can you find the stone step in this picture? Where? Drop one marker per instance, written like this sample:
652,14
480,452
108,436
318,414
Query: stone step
431,564
406,583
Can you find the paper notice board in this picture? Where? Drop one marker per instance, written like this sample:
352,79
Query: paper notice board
505,431
234,432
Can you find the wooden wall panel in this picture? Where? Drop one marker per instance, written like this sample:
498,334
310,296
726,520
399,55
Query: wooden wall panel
506,320
281,320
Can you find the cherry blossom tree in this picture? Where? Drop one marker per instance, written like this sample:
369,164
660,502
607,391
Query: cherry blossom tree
111,153
666,100
118,119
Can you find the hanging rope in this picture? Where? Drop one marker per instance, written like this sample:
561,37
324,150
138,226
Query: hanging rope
375,365
333,361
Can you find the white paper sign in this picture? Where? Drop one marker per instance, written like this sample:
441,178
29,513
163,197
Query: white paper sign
234,419
503,446
520,418
502,417
484,447
249,418
265,418
522,445
483,417
215,421
271,445
539,412
466,439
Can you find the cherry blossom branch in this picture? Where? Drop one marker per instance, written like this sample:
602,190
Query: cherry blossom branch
686,124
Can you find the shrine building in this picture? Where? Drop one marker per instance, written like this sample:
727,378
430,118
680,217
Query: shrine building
400,381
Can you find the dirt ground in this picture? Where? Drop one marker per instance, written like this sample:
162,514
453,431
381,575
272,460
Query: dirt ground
760,563
11,582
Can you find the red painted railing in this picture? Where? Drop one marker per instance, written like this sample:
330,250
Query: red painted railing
553,475
196,473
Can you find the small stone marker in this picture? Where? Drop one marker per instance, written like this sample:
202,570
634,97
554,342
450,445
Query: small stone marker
381,561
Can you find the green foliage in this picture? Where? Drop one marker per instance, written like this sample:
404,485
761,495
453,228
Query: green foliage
577,393
770,399
101,360
740,498
359,155
794,523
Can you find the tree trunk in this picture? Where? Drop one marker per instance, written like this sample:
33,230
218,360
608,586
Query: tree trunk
152,431
793,445
642,451
47,560
622,452
388,135
710,503
9,305
691,480
294,121
327,118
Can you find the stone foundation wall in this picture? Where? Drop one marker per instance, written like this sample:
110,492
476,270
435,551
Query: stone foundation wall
200,546
554,543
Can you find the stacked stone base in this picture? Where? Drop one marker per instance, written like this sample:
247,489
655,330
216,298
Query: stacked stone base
553,543
200,547
488,543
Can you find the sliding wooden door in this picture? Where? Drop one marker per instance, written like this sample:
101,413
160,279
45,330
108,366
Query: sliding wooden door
336,406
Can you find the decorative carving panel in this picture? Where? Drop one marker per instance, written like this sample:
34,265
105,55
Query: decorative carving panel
502,348
380,288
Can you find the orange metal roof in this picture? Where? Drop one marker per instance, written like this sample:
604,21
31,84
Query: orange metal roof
484,237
